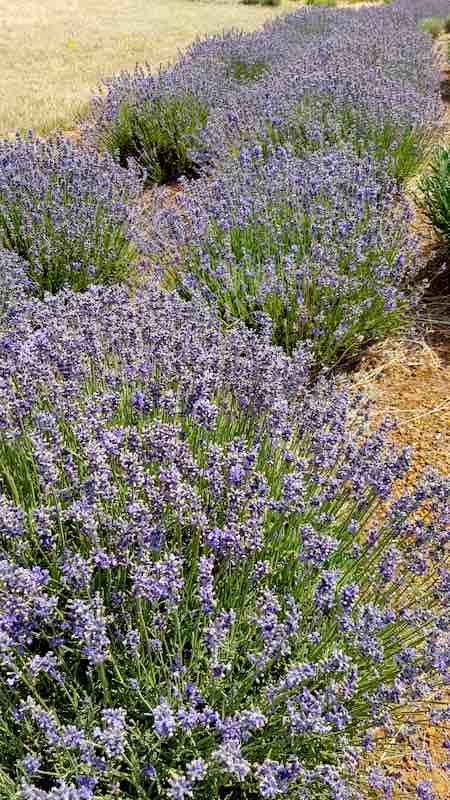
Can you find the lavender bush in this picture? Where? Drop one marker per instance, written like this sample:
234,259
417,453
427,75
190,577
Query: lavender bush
70,215
329,74
320,246
202,593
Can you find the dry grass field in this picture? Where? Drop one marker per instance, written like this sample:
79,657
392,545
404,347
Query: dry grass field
53,53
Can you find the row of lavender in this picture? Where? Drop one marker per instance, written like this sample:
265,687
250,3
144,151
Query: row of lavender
303,134
304,224
207,588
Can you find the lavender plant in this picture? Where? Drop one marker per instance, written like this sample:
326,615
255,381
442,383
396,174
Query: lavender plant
315,245
68,214
202,592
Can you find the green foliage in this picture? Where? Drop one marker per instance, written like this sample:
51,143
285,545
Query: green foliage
330,3
249,72
158,136
433,25
435,196
447,24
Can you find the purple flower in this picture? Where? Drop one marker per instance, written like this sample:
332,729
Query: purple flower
196,770
179,787
326,589
424,790
31,763
217,631
89,628
132,641
76,571
112,734
229,757
149,772
206,583
164,720
47,664
160,580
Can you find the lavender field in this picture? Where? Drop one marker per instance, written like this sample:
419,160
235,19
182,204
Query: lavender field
215,581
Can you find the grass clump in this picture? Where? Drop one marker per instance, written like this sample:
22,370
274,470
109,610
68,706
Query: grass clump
67,213
434,196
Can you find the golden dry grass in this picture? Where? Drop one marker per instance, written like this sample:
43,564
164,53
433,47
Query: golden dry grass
55,52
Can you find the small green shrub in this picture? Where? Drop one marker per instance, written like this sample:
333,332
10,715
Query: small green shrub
435,196
158,136
433,25
447,24
330,3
